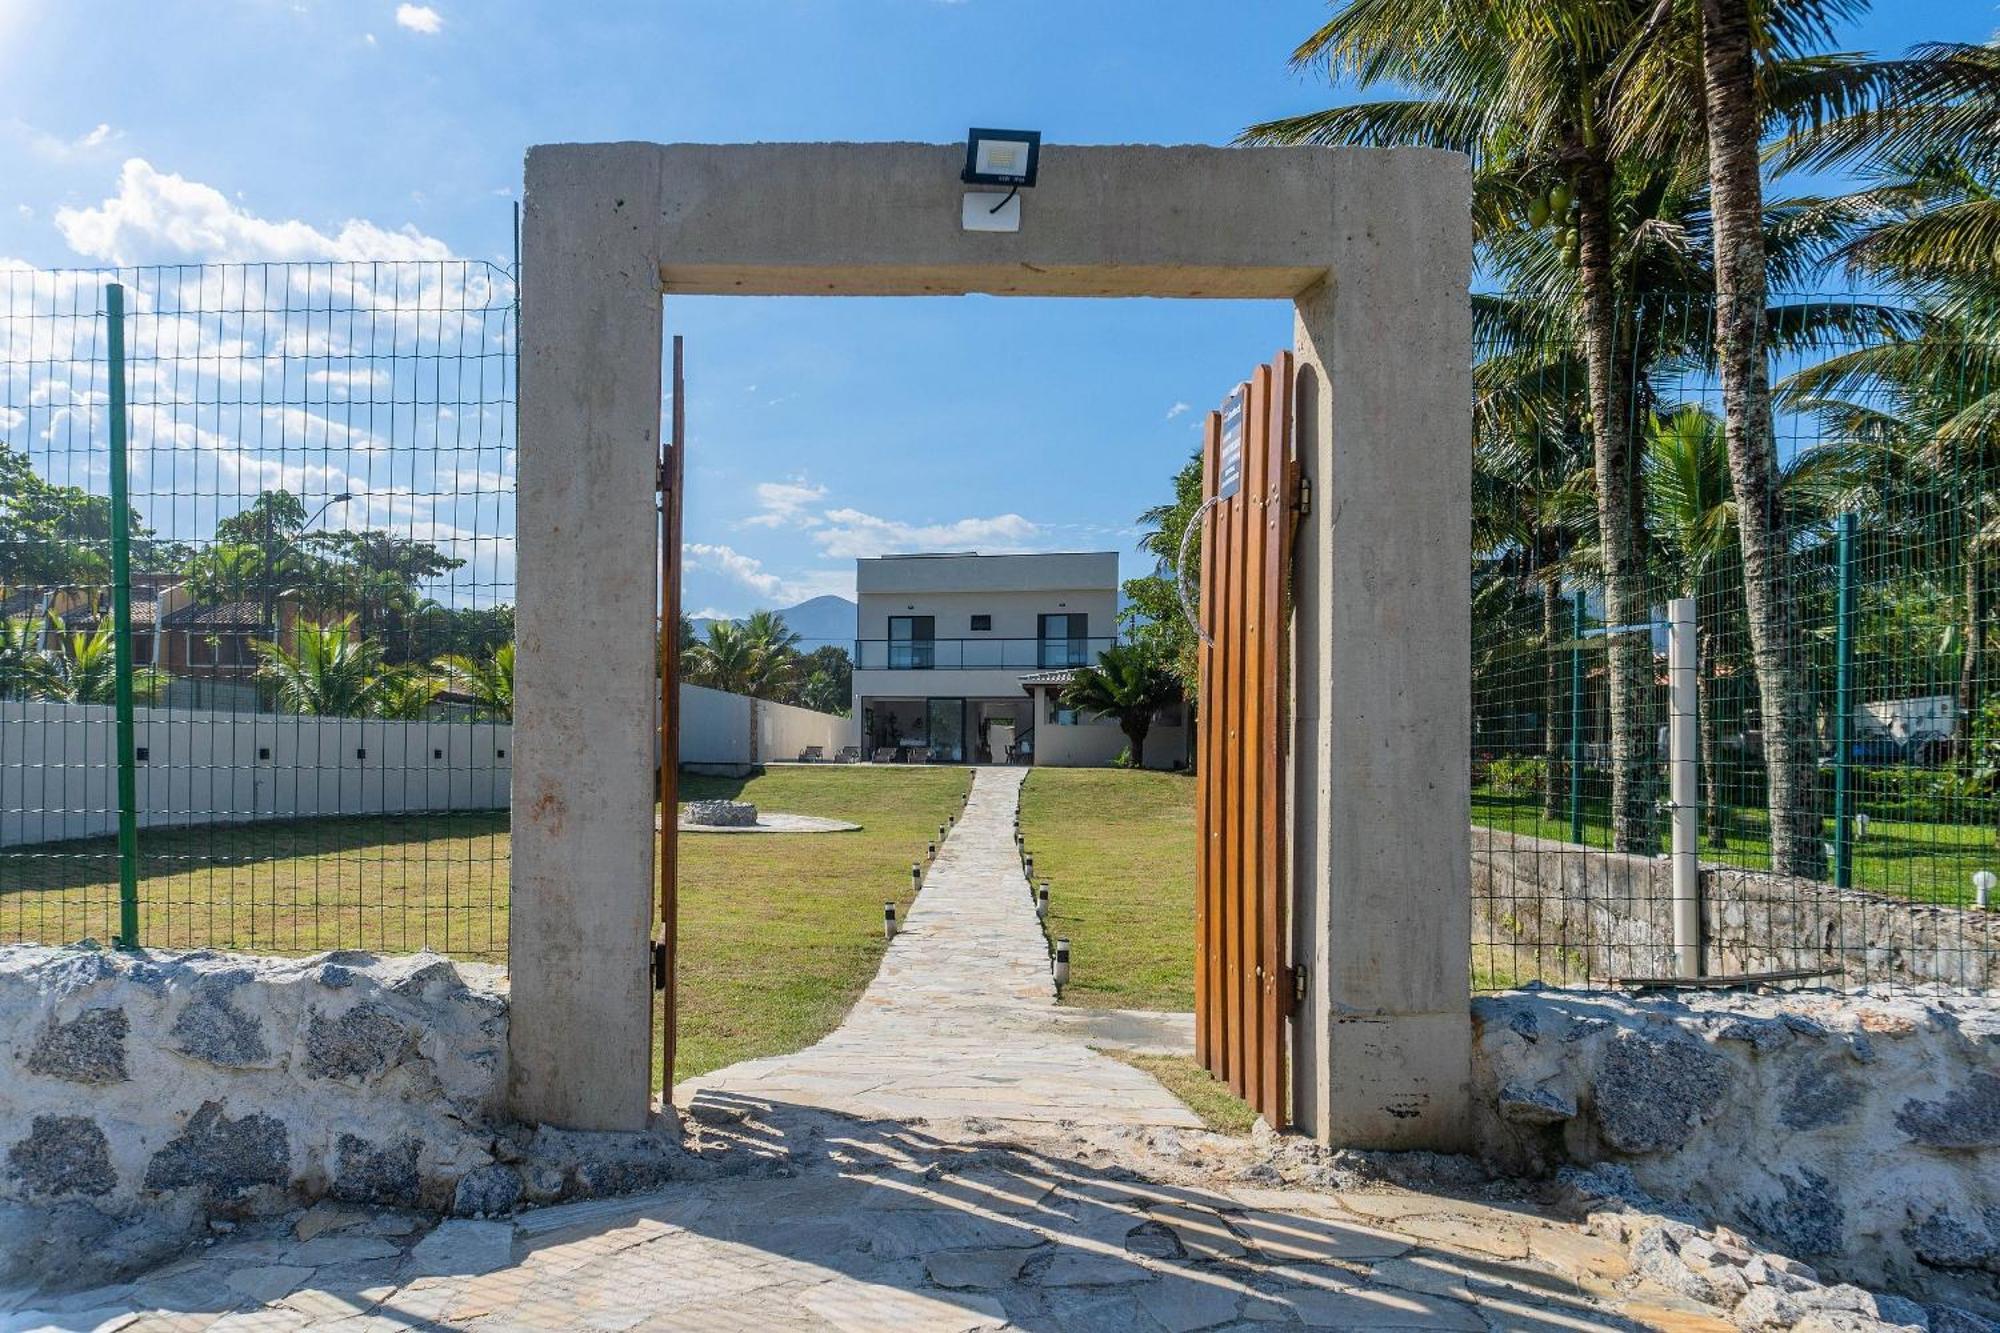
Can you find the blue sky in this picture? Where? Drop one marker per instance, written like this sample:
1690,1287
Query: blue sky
819,430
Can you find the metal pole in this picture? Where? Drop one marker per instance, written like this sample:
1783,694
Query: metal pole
121,623
1843,706
1683,783
1576,721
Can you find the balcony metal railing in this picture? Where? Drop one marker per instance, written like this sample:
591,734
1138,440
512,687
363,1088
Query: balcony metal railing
984,654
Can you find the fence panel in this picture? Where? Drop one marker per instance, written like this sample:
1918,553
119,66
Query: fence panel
1875,630
320,526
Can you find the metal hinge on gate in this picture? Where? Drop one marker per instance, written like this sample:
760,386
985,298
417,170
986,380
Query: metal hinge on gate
1302,492
659,951
1298,984
660,481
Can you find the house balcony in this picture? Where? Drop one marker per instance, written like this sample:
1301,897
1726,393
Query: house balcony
981,654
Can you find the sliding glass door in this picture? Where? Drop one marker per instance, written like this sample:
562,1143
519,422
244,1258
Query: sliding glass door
947,727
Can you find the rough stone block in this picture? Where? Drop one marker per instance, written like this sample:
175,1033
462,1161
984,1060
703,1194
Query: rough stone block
221,1156
63,1154
361,1044
90,1048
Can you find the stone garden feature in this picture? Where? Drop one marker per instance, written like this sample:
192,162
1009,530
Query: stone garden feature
720,814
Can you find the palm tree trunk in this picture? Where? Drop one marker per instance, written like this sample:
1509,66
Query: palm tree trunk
1715,811
1137,736
1619,529
1555,774
1975,646
1776,646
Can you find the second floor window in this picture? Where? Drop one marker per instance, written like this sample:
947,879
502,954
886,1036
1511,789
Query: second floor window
1065,640
912,642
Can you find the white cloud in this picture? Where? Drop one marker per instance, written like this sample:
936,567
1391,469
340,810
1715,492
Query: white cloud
54,147
771,589
1177,409
850,533
157,215
783,502
419,18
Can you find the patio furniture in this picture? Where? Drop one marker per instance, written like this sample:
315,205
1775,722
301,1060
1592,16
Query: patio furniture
813,754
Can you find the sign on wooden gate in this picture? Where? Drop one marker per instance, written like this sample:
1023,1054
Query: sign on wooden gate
1243,981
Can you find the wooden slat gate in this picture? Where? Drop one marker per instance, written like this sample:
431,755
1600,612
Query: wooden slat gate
666,944
1243,981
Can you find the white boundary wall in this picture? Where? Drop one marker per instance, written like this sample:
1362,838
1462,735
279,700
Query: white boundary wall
58,779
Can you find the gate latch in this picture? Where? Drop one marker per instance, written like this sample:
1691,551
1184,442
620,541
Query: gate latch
659,951
1299,984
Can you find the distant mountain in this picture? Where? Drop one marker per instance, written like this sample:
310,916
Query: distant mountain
821,621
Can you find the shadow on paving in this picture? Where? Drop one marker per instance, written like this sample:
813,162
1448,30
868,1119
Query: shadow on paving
884,1225
800,1218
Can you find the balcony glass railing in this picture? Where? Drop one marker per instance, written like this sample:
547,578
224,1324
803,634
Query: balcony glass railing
976,654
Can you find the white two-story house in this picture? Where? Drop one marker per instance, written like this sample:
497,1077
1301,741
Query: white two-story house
962,659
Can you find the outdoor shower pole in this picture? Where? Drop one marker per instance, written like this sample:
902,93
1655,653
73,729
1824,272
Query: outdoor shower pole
121,624
1576,721
1683,785
1843,705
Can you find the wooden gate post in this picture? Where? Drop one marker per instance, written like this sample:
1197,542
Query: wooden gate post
1382,697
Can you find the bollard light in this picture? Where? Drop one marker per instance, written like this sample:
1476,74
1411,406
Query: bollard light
916,875
1042,901
889,920
941,832
1062,963
930,851
1982,888
1028,866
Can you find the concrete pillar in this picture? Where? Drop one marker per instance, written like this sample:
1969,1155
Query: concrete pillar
582,878
1382,896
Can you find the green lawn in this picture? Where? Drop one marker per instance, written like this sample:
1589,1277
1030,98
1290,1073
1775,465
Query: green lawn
1925,862
778,933
1117,848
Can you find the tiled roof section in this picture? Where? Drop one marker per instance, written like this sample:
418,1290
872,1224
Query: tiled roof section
144,610
219,615
25,602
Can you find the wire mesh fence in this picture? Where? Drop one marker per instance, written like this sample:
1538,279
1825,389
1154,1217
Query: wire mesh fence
1844,834
305,731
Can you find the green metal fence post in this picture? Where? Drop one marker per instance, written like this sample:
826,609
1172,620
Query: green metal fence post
1843,706
1576,722
121,611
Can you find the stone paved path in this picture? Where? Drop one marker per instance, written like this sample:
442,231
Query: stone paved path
948,1160
961,1020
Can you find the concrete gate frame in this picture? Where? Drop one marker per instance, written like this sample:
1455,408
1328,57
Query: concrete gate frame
1373,249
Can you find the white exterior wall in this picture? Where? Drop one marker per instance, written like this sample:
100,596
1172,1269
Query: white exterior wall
1093,742
58,779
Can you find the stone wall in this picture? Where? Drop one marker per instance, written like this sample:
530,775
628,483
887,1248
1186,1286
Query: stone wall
1568,913
132,1081
1858,1131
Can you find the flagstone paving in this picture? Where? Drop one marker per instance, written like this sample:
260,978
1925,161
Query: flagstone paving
949,1160
962,1019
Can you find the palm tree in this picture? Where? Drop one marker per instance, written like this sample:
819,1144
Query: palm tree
85,671
774,654
406,696
1521,87
489,682
25,670
329,672
725,660
1927,144
1128,684
1923,411
1575,113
